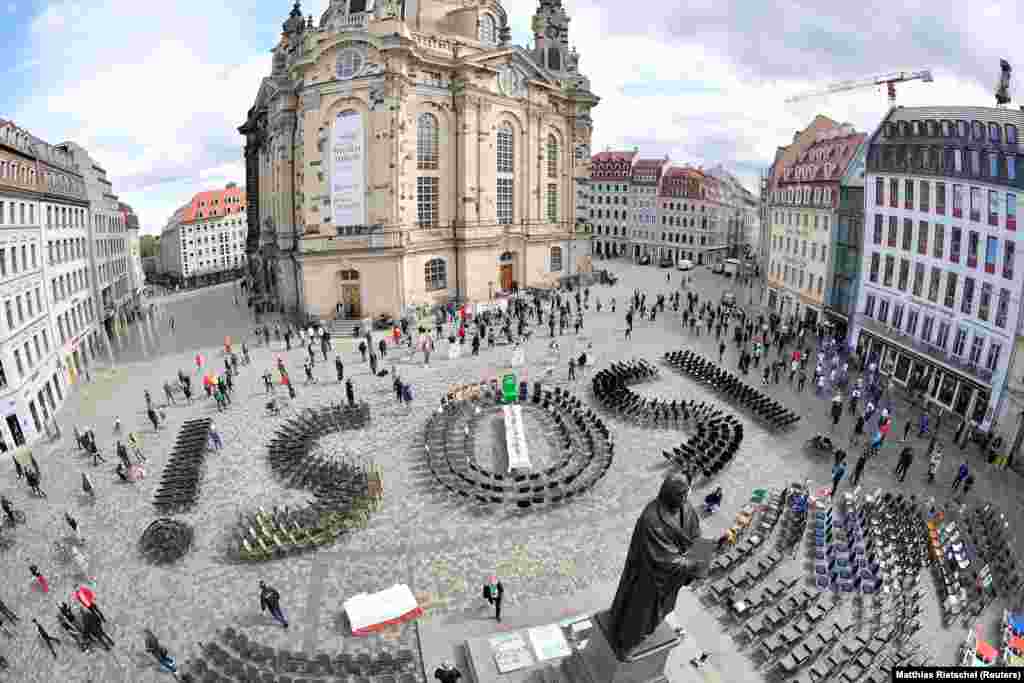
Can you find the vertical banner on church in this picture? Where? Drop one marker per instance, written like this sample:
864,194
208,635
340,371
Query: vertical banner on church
348,170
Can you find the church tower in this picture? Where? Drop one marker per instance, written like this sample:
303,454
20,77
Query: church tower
550,27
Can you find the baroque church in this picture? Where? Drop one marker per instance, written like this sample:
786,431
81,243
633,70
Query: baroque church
403,152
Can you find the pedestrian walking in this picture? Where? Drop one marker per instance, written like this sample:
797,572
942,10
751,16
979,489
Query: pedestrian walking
493,593
934,461
858,468
968,485
906,429
858,431
32,478
270,600
133,441
154,419
350,393
838,472
339,368
169,393
721,352
47,638
961,475
40,580
572,369
837,411
215,438
73,523
924,426
906,458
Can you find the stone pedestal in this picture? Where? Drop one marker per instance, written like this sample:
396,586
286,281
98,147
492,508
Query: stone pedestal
599,663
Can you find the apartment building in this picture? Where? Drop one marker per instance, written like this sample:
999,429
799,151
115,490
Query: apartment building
205,239
611,174
940,301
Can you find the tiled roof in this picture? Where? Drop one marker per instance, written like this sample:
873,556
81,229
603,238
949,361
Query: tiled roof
211,203
831,168
613,156
1012,116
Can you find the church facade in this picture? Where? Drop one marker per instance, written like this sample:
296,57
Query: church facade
406,154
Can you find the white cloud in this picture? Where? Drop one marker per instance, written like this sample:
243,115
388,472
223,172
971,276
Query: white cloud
158,104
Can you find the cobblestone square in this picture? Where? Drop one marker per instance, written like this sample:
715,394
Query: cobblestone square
441,547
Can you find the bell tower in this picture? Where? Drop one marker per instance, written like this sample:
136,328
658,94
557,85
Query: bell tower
550,25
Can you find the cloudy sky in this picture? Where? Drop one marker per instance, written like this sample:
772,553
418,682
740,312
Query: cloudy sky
156,90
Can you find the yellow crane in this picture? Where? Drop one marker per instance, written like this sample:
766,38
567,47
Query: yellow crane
889,80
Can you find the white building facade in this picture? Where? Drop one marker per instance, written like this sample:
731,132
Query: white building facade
940,297
611,175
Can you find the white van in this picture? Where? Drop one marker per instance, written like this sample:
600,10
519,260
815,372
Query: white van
684,264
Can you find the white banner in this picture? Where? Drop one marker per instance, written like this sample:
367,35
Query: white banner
348,177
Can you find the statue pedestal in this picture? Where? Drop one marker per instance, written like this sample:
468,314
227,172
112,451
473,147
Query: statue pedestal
599,663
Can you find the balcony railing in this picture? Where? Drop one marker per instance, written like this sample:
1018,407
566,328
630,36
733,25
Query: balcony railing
351,21
926,349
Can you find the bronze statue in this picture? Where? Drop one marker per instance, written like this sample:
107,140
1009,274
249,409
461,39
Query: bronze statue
656,566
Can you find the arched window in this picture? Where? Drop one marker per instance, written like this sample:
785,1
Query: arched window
552,156
348,274
488,30
556,259
435,274
505,153
428,191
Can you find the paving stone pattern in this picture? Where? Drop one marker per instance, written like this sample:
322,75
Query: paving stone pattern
443,548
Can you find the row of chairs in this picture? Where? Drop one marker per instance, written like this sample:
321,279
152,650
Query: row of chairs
732,387
805,639
179,483
896,527
245,660
587,457
862,657
717,436
994,543
290,449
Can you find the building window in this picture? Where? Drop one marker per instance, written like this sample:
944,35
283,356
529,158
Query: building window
552,151
426,142
925,198
894,193
435,273
940,198
972,249
911,322
975,204
18,363
943,336
883,310
991,254
993,207
904,274
869,306
1011,211
875,264
890,268
958,201
897,316
505,167
938,246
1002,307
552,202
985,301
350,63
556,259
926,328
1009,252
951,281
918,279
893,229
427,198
933,286
907,235
922,238
955,237
879,192
877,237
976,345
993,356
488,30
959,341
908,194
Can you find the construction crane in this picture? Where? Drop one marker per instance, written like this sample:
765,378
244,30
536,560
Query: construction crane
888,80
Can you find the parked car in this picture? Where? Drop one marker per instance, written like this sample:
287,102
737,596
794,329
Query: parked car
684,264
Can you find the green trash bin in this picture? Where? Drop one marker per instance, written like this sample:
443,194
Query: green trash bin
509,388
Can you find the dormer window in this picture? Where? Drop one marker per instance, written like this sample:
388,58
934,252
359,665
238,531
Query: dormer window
917,127
978,130
1011,134
994,134
488,30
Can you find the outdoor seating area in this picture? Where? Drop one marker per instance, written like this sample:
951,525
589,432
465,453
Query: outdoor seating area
973,560
731,387
585,452
1013,638
717,435
845,557
290,449
236,657
179,484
